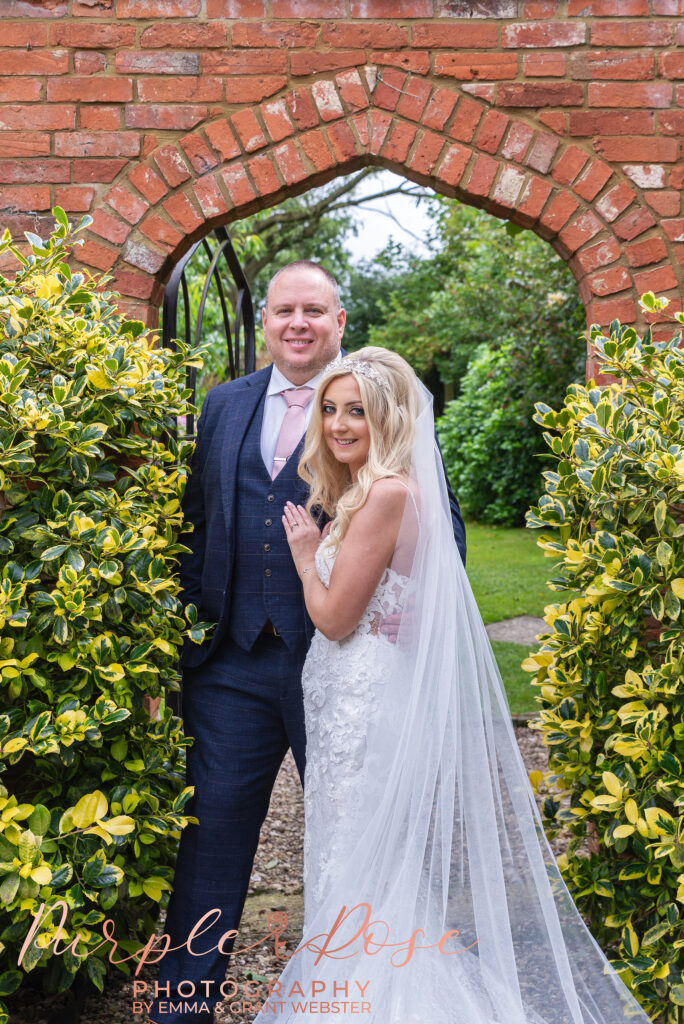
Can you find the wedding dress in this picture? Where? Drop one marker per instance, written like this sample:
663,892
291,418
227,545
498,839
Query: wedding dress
343,684
432,895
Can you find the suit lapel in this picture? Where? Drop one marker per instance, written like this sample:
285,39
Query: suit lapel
237,418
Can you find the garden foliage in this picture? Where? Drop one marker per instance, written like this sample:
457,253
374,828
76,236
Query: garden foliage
611,668
92,793
493,449
484,282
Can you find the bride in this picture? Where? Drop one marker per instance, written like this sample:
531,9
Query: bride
431,893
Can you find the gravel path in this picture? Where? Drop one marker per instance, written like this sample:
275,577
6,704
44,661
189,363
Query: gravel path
276,887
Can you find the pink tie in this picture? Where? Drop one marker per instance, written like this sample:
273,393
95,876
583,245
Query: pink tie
293,426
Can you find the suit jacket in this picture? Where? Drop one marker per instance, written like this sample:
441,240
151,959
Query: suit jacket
209,504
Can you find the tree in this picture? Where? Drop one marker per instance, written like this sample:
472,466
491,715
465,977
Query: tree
314,226
486,282
492,448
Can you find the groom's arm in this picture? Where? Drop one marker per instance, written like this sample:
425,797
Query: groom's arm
456,518
192,562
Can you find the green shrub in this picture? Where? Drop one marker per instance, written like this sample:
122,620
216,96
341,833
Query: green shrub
611,669
492,448
92,799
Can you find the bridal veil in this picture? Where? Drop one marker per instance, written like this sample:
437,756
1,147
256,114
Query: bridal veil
449,836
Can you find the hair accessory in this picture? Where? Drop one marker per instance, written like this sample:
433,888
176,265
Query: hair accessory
362,366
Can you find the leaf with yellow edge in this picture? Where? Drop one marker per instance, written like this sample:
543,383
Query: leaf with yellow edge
622,831
630,747
659,822
98,379
48,286
630,940
535,778
605,803
113,672
89,808
121,825
154,886
631,811
66,822
42,874
612,784
630,650
678,587
97,830
16,743
164,646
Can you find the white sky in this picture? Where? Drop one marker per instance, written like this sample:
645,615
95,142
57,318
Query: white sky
376,224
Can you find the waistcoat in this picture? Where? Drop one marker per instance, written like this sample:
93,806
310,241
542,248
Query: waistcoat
265,583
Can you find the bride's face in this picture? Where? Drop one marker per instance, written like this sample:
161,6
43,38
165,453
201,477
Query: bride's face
345,427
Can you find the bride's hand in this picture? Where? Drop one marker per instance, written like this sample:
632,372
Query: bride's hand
302,534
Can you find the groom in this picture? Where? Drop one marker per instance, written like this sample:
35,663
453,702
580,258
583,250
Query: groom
242,697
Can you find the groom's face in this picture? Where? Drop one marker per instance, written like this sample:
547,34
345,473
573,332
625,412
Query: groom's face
303,324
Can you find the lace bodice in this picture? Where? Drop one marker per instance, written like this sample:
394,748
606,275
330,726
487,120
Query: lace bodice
387,598
342,683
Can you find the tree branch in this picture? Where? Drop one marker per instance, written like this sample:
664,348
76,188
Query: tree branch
386,213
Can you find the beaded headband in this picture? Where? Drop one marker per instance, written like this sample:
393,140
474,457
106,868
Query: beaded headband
361,366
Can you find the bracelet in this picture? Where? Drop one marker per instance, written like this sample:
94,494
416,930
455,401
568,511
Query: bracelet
308,568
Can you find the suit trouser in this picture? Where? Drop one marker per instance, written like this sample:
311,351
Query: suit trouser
244,710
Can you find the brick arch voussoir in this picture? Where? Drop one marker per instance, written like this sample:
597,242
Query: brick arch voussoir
434,133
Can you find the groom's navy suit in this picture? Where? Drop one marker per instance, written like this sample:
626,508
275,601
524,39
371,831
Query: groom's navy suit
242,698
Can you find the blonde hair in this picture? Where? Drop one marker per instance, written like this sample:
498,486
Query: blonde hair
391,410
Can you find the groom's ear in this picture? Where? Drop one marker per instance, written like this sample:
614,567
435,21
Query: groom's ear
341,320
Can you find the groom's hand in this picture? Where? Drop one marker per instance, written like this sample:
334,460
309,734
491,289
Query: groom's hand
389,626
402,617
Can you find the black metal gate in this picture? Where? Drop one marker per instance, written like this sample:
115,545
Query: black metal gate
240,339
226,275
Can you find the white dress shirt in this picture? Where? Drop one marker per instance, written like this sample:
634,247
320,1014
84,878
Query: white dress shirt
275,408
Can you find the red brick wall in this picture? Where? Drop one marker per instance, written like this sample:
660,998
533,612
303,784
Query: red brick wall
166,118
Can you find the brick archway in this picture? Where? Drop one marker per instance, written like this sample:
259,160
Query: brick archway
166,118
436,135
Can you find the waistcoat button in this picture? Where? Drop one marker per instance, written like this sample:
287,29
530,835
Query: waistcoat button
268,522
271,497
267,572
267,547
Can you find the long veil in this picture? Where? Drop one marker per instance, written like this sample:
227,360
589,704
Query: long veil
450,848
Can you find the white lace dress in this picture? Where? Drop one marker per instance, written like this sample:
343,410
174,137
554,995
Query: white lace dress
343,682
346,705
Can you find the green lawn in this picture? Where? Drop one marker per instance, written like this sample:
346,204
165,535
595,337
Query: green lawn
508,574
507,571
519,691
